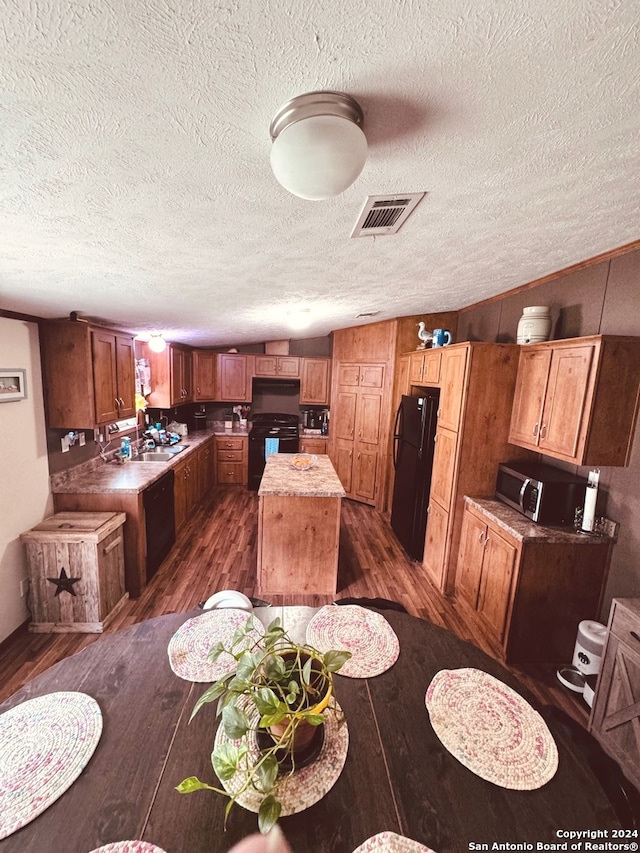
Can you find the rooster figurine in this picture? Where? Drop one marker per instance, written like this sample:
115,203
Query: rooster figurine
423,336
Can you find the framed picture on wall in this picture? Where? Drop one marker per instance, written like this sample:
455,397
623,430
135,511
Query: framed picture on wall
13,384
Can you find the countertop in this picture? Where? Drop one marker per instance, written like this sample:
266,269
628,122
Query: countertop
100,477
281,478
524,530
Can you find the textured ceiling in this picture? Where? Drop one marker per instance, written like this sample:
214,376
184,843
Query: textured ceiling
135,185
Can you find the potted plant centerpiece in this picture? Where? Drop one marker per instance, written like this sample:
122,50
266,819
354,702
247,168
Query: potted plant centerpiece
279,692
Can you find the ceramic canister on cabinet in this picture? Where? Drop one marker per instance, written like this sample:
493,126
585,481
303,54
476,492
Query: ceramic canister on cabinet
535,325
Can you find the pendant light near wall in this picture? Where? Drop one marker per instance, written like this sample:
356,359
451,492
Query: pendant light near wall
318,146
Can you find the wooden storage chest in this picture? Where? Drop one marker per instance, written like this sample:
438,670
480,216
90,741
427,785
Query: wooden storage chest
76,571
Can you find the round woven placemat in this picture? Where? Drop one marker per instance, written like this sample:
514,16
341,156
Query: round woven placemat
45,744
190,645
390,842
366,634
128,847
305,786
491,729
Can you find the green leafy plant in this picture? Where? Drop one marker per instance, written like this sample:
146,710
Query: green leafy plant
278,686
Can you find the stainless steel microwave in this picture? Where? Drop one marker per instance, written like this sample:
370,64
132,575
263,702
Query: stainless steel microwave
545,494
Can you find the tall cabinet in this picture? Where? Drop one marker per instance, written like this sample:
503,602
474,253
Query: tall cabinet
359,433
476,382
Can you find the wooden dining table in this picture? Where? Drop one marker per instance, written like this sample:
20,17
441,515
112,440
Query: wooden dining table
397,777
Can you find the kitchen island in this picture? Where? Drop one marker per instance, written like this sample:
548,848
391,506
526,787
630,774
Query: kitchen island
298,527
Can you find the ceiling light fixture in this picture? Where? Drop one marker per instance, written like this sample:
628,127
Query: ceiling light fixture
318,146
156,342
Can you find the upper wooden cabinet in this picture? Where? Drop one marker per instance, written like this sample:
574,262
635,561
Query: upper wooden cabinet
424,366
171,376
113,376
577,400
234,371
89,374
279,366
314,381
204,375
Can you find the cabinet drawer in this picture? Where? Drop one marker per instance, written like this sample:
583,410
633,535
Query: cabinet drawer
626,627
229,443
229,455
230,472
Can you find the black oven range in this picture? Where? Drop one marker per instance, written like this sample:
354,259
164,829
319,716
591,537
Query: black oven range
270,425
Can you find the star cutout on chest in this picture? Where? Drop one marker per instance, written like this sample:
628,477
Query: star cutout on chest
64,582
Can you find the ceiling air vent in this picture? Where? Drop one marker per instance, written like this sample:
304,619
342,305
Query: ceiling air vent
385,214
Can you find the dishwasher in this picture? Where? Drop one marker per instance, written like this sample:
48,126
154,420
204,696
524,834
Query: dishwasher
160,526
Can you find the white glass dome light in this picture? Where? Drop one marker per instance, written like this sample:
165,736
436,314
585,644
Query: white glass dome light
318,146
156,342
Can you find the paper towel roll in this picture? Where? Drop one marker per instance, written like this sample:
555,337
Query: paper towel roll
589,512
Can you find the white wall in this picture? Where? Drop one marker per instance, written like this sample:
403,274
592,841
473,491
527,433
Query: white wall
24,472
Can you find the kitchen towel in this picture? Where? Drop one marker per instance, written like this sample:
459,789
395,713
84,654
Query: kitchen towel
270,446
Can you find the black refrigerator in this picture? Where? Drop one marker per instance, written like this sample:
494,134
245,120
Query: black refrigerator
413,443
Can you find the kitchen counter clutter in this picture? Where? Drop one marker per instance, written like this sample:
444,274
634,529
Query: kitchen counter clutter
298,527
526,587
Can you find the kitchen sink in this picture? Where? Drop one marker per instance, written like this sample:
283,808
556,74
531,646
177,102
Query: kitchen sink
167,448
153,456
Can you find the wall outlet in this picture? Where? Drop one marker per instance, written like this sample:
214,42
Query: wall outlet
82,440
24,587
64,441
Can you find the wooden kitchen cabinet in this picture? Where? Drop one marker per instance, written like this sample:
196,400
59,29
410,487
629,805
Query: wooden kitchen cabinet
232,460
206,468
113,376
577,400
317,446
204,375
88,373
524,587
476,393
486,562
356,429
234,371
171,376
615,716
185,490
314,381
279,366
424,366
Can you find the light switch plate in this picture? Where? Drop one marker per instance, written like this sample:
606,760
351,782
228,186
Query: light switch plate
82,440
64,441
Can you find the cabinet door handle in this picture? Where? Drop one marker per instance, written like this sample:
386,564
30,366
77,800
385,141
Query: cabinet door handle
481,536
534,431
543,430
109,548
635,635
486,541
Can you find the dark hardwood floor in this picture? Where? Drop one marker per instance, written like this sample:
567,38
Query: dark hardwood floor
218,551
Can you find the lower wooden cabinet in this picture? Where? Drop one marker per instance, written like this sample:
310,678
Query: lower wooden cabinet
524,588
317,446
485,570
615,717
185,490
231,460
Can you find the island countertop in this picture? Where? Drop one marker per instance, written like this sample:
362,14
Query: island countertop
281,478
